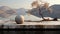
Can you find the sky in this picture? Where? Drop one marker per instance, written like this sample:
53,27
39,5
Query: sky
15,4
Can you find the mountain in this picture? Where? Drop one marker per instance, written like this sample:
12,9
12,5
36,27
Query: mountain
4,8
35,12
6,11
21,11
55,12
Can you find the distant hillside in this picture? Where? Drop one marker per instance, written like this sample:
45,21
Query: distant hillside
6,11
55,12
35,12
21,11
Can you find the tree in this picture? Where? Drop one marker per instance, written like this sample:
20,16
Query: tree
36,4
28,12
46,5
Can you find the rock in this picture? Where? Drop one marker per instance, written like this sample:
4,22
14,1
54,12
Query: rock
19,19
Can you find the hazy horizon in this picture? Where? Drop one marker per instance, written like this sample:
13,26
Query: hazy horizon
15,4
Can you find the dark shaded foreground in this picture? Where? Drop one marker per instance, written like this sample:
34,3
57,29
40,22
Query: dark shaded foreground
30,32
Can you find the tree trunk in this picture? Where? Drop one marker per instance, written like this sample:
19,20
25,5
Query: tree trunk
41,14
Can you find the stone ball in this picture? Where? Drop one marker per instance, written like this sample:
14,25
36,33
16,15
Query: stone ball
19,19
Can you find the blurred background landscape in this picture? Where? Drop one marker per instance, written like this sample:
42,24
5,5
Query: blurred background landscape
10,8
